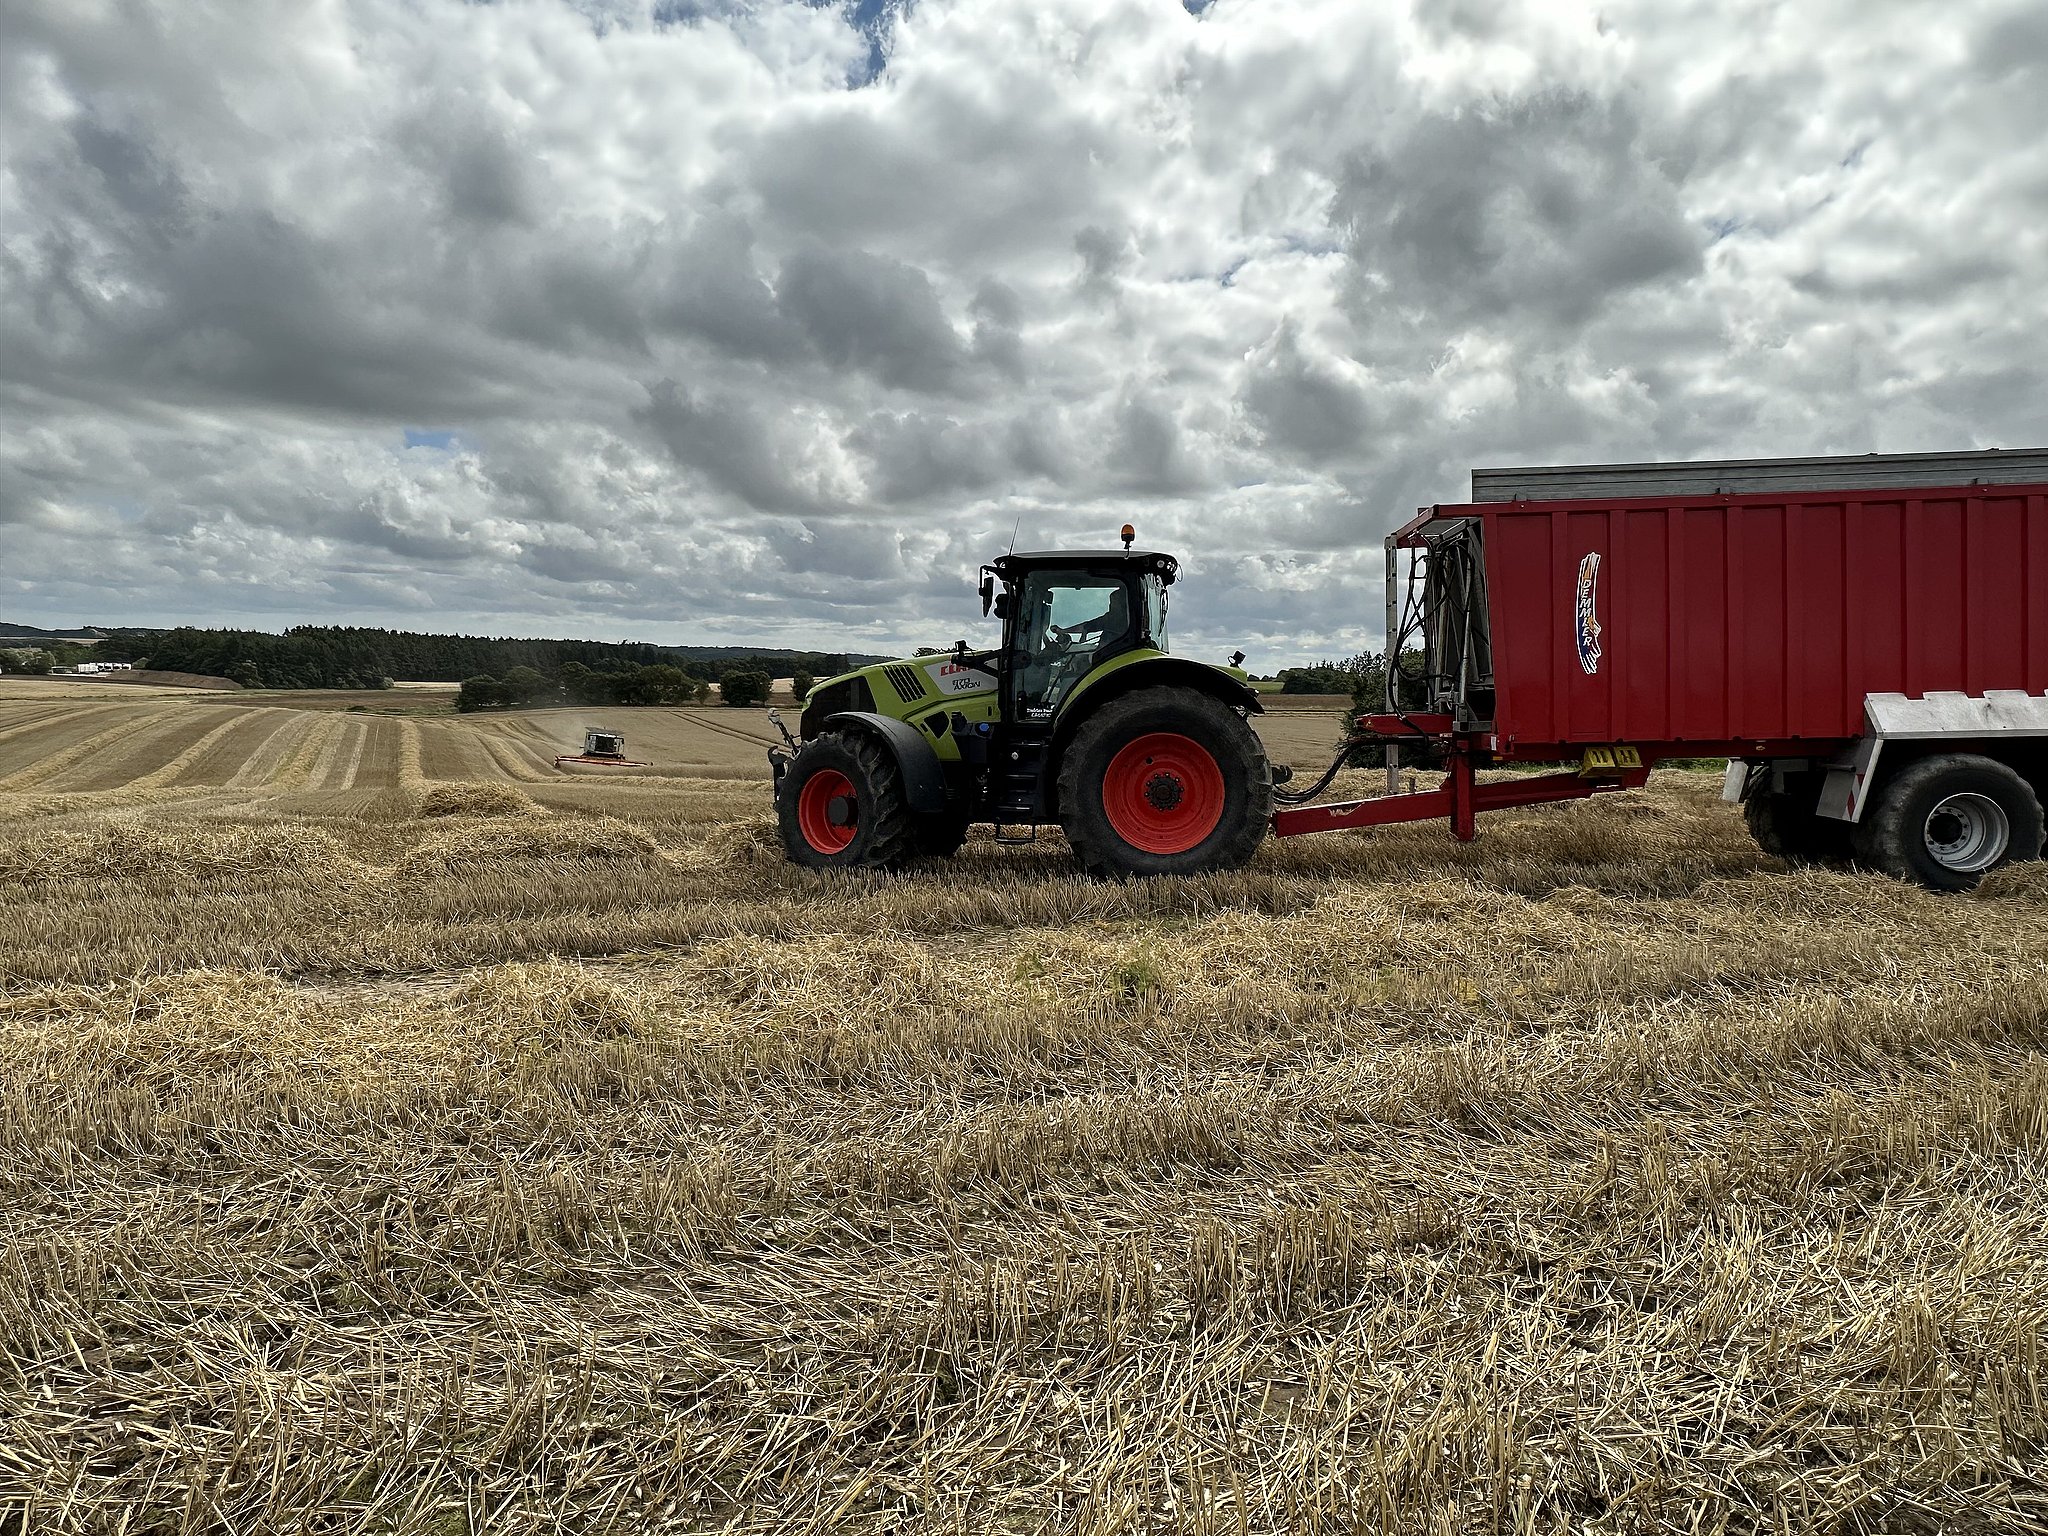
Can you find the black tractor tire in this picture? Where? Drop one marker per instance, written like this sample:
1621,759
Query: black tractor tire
1947,821
1142,775
938,836
841,806
1787,823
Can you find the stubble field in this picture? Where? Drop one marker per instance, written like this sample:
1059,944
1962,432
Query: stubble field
398,1134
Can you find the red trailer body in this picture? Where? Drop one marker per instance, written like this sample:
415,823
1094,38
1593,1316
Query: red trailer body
1857,634
1742,625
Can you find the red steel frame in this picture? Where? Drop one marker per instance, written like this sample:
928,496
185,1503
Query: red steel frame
1461,796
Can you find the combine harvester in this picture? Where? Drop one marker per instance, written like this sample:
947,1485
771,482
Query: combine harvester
1865,638
601,749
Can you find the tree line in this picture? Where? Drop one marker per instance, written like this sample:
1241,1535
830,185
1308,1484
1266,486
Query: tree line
577,684
1361,678
312,656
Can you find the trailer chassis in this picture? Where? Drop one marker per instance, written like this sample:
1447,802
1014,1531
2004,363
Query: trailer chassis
1461,797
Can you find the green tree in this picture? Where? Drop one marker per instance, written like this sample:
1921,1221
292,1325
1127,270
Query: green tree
667,685
745,688
801,684
523,685
480,693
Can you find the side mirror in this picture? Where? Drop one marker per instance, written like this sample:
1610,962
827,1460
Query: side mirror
1002,605
988,594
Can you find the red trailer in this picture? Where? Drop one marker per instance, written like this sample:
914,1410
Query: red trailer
1865,638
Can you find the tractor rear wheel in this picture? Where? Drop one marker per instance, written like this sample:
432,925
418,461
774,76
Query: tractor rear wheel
841,806
1165,781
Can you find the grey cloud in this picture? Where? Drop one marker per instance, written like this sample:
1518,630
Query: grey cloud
735,447
1306,403
875,314
864,552
1105,255
1149,454
1525,212
2013,43
916,457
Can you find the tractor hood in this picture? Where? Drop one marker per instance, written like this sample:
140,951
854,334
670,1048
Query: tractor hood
901,689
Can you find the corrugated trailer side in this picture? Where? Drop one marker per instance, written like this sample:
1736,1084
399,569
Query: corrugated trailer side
1755,623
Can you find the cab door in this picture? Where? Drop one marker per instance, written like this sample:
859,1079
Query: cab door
1060,626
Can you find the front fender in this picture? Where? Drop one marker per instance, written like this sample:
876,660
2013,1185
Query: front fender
924,782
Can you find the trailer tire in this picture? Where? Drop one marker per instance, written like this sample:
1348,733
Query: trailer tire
1788,825
841,805
1947,821
1165,781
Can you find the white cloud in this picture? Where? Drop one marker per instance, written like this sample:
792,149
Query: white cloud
734,349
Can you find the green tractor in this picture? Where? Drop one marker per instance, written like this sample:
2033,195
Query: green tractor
1080,718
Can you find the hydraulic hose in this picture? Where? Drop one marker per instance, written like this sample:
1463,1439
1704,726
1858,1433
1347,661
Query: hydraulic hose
1303,796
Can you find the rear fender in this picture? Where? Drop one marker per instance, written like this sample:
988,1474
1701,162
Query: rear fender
924,782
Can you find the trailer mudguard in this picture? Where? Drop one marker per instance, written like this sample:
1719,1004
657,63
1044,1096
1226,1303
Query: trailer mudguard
924,782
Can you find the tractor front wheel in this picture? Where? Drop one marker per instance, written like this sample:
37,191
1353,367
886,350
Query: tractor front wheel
1165,781
841,806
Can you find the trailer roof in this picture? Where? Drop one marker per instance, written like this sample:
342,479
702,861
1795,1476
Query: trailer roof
1737,477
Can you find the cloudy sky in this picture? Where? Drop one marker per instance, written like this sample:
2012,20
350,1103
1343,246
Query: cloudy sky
744,320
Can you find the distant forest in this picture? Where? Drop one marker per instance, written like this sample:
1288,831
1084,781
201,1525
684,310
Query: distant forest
315,657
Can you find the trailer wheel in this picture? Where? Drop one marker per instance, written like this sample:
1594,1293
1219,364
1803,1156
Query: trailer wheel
1788,825
1165,781
841,806
1949,820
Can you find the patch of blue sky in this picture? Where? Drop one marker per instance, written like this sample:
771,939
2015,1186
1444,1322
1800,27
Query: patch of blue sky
875,20
440,440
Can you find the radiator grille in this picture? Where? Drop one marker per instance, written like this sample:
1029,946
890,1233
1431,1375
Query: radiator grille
907,681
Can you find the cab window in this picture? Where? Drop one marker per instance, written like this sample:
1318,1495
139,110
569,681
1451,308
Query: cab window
1063,623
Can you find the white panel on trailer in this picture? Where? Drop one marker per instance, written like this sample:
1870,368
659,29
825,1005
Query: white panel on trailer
1960,717
1866,472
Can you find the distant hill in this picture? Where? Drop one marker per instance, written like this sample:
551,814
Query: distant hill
28,634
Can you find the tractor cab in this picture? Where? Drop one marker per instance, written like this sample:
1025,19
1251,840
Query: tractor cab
1065,613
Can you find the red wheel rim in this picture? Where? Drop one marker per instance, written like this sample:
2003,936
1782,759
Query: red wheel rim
1163,793
823,792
